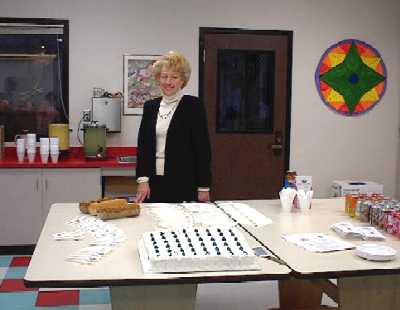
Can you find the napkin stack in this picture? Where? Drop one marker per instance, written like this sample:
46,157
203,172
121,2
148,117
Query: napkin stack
349,231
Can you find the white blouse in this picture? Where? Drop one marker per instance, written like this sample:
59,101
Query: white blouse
167,109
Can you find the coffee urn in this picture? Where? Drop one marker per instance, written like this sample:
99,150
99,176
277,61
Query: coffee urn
62,132
94,140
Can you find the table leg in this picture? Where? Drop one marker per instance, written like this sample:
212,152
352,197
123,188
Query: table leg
369,293
154,297
298,293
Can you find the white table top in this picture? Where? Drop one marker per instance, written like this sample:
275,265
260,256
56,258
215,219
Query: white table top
323,214
48,266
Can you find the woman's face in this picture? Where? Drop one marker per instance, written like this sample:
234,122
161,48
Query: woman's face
170,82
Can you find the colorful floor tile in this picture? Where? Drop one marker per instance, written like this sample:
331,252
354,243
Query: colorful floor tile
14,294
16,273
14,285
18,300
20,261
57,298
99,296
5,261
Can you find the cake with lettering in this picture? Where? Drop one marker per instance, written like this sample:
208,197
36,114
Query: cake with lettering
197,249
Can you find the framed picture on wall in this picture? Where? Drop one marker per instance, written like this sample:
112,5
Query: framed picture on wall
139,84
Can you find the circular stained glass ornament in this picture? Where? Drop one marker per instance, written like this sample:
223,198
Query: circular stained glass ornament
351,77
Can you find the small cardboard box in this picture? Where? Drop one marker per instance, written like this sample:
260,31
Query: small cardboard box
304,182
342,188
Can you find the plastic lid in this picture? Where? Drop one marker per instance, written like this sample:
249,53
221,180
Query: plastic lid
375,252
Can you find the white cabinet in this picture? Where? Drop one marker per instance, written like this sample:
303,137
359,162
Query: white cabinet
69,185
20,206
27,194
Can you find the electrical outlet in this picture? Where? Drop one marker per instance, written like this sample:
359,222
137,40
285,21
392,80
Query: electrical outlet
86,115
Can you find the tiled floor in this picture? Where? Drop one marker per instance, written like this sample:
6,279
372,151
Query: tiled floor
218,296
14,294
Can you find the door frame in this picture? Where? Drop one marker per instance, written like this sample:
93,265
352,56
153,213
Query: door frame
203,31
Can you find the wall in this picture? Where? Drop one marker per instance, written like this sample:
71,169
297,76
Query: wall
323,144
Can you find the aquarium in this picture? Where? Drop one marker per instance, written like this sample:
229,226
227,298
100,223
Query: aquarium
33,75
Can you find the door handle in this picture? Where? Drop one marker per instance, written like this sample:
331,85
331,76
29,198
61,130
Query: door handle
277,147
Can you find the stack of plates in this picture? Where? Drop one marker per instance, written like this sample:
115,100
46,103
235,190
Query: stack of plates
375,252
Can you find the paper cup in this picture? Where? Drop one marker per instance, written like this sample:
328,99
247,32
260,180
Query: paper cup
21,156
54,149
54,146
30,139
286,204
44,142
31,156
20,148
54,157
20,141
304,205
44,149
44,157
31,150
54,141
304,199
287,196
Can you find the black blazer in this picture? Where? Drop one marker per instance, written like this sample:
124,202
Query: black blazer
187,147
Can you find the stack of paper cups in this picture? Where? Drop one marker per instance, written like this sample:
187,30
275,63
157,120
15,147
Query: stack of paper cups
20,149
44,149
31,146
54,149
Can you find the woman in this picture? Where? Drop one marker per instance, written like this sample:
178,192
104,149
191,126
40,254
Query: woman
174,153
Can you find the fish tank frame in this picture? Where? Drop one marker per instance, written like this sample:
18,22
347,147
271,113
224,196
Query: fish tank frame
34,74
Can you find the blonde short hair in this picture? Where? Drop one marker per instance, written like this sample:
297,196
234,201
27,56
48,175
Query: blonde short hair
173,61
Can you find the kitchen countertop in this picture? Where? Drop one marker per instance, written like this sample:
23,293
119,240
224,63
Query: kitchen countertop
74,158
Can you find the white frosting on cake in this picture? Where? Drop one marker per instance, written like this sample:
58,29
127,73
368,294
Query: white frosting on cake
198,249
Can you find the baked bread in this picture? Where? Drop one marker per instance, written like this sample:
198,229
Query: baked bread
109,208
86,207
114,212
97,207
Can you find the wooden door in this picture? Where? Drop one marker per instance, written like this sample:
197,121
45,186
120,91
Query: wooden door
245,84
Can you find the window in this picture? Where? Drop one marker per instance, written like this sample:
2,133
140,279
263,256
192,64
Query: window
245,91
33,75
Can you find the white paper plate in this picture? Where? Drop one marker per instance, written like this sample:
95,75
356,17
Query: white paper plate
375,252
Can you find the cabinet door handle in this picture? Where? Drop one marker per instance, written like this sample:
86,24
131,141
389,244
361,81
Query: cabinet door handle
37,184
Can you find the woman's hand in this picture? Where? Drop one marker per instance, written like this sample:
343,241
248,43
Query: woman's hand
142,192
203,196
